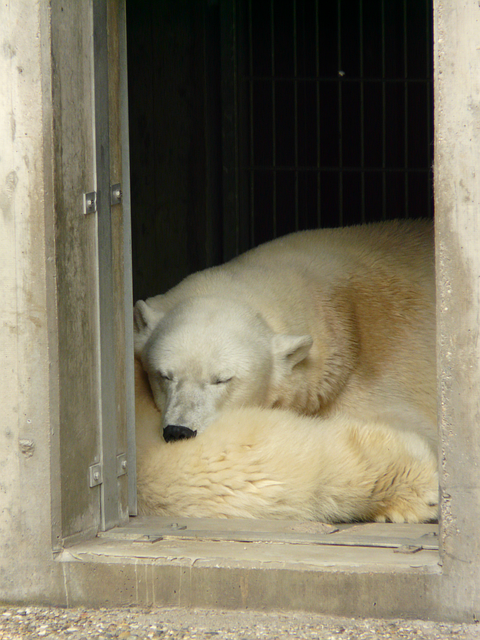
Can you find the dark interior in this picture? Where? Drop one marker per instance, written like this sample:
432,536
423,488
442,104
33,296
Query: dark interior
250,119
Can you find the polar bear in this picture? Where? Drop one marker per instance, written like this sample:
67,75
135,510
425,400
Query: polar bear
320,322
275,464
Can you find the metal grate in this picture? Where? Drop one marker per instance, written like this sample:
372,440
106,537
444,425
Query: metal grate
333,114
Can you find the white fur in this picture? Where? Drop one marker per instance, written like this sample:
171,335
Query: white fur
320,322
272,463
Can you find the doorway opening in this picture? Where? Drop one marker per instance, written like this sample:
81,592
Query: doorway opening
253,119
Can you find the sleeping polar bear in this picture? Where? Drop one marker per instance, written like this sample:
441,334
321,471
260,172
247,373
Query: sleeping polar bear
272,463
325,321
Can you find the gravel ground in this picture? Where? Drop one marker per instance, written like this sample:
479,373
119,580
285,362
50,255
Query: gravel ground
134,623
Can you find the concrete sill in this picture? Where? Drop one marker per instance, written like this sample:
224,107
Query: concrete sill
383,570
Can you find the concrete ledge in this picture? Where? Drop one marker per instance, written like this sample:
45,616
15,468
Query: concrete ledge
361,570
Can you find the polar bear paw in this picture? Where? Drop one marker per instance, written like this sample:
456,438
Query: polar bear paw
412,502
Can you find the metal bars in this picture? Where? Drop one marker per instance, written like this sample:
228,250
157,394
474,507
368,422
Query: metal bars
230,131
295,107
274,150
317,95
337,94
405,72
362,112
341,74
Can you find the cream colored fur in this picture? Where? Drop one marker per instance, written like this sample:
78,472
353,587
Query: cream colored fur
271,463
336,320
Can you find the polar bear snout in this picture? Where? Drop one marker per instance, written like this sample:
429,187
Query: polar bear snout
174,432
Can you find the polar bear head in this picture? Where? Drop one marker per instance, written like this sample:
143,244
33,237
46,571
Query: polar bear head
207,353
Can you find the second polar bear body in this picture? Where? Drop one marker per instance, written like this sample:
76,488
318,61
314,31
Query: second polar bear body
271,463
320,322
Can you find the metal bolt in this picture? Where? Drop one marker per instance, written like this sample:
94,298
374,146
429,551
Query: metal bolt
96,475
124,464
90,202
115,194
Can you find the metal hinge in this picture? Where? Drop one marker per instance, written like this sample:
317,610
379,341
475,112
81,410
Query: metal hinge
90,199
116,194
90,202
121,464
95,474
95,471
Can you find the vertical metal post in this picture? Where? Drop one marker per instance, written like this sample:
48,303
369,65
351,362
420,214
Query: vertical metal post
362,116
274,122
428,58
230,117
295,108
384,120
213,131
108,427
251,128
317,69
405,122
127,265
340,115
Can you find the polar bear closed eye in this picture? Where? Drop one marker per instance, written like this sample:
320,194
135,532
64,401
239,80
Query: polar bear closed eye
317,322
199,362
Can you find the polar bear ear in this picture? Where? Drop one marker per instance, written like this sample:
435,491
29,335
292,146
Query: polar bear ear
145,319
291,349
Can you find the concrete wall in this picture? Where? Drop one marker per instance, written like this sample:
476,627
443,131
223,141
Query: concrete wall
457,215
49,337
28,331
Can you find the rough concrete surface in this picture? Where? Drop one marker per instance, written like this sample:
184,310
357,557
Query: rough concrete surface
134,623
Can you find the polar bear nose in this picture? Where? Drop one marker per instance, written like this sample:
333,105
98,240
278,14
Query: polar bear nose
173,432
